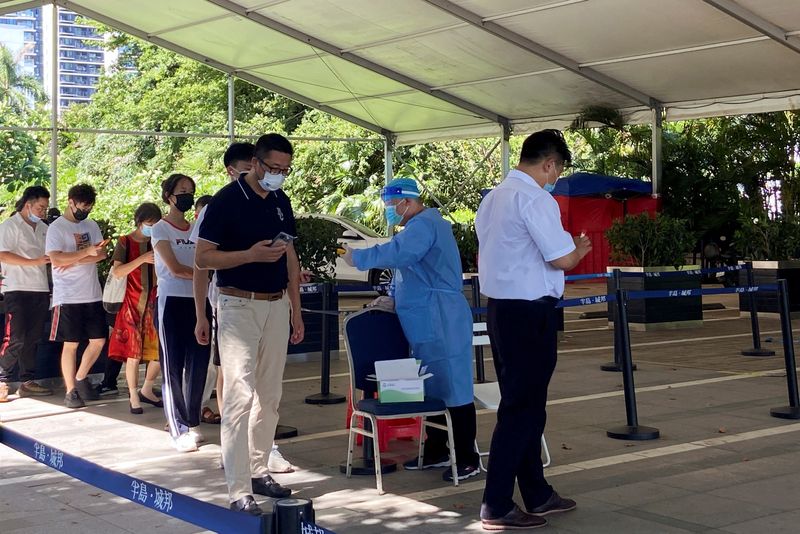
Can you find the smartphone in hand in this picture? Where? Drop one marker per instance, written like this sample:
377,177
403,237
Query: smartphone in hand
283,237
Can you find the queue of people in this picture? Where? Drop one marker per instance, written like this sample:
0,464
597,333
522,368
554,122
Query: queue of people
213,301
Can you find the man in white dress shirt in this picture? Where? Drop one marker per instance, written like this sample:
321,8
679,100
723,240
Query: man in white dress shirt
524,252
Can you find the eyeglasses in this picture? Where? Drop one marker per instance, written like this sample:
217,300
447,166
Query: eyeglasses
275,170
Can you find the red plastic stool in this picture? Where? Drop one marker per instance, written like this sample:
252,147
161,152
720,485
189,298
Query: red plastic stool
406,428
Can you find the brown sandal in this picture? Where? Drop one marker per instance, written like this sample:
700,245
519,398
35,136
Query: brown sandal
209,417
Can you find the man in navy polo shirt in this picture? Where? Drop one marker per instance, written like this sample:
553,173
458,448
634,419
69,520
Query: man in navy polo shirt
259,297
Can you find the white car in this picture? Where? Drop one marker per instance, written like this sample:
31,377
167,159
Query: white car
355,235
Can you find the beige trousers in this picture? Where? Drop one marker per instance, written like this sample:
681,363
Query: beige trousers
253,337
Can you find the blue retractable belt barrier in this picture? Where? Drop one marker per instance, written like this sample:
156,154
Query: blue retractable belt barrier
341,288
576,277
665,293
671,293
205,515
678,274
586,301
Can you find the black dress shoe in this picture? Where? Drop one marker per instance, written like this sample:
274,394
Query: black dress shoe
136,411
267,486
248,505
516,519
556,504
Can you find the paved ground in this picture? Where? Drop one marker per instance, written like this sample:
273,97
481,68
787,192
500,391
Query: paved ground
722,463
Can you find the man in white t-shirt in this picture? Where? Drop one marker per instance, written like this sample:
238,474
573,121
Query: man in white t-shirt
26,291
75,245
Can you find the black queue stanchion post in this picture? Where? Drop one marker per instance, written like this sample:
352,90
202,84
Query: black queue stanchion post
793,410
480,371
290,514
325,396
616,365
633,430
756,350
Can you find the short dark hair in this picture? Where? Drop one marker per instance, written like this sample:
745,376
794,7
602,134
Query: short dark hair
273,141
238,152
146,212
82,194
34,192
202,202
544,144
168,186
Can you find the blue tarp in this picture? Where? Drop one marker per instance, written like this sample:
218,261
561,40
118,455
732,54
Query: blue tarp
583,184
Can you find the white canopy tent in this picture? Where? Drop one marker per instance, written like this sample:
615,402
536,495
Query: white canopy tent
423,70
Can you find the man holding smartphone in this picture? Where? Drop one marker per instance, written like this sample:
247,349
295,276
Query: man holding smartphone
259,286
75,245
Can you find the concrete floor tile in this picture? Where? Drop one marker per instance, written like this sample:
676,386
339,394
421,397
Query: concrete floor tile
785,523
707,510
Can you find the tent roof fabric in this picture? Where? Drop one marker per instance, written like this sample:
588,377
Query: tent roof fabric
585,184
423,70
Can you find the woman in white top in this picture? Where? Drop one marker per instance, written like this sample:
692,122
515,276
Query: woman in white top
181,356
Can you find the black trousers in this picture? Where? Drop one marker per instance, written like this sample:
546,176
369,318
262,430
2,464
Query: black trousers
111,373
464,429
523,336
26,314
181,357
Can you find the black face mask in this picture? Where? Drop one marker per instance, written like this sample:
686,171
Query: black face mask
79,214
184,201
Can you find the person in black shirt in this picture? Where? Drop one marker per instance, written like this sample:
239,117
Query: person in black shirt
259,284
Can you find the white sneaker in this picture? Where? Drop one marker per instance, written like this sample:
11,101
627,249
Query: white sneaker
196,435
277,463
185,443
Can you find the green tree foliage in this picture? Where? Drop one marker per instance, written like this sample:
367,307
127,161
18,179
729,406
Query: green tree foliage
713,169
18,91
317,246
647,241
23,154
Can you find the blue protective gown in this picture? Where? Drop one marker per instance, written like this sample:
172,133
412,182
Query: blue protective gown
429,301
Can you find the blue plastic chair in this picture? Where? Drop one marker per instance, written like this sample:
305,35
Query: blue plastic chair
376,335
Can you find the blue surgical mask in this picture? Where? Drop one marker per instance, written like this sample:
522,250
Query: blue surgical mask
34,219
271,182
392,217
550,187
147,230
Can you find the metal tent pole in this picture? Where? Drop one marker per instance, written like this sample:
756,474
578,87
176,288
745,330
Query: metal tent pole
505,150
54,109
388,160
656,150
231,109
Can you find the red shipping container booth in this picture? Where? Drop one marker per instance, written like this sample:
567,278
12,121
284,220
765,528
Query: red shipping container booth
591,202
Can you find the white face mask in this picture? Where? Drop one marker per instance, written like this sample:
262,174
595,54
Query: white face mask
272,182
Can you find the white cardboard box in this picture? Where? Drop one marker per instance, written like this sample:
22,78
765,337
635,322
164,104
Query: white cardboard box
400,381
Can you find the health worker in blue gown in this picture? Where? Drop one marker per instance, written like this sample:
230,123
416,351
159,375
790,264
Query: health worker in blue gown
435,316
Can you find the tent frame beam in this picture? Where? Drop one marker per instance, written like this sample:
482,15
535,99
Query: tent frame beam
763,26
546,53
228,69
6,7
319,44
